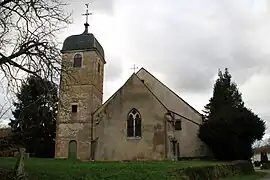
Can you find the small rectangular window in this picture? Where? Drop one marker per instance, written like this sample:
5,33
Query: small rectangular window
178,125
74,108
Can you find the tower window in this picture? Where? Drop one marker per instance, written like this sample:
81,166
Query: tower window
98,69
74,108
77,60
134,124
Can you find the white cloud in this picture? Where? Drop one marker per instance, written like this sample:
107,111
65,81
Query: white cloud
184,43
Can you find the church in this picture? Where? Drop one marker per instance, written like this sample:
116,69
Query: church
142,120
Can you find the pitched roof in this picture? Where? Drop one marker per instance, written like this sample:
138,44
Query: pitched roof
106,102
114,94
261,149
142,69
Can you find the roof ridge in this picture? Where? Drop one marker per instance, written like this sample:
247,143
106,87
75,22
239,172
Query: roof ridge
152,93
168,109
112,96
169,90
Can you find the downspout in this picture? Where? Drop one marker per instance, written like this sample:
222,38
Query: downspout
167,119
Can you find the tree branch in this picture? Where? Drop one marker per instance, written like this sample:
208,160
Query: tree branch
30,29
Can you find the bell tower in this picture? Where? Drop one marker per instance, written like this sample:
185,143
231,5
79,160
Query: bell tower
80,93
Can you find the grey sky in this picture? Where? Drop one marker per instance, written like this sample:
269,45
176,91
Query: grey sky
183,43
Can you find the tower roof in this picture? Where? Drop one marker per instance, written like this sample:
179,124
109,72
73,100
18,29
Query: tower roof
84,41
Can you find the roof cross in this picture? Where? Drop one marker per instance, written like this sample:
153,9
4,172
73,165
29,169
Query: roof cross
87,13
86,20
134,68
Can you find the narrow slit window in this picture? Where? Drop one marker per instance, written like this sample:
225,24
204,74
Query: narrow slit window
98,67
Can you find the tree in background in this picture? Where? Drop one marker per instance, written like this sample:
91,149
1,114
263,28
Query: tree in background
4,109
34,123
28,42
230,128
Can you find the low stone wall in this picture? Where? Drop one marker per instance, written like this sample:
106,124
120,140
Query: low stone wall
213,172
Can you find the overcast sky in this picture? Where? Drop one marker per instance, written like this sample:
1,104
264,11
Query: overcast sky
183,43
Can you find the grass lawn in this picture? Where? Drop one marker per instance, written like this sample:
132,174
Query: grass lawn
253,176
64,169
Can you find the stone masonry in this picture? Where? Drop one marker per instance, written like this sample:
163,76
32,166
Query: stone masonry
82,87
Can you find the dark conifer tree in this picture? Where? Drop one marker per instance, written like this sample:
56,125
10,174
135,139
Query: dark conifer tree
230,128
34,123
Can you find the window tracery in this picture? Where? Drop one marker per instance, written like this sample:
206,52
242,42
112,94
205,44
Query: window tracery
134,124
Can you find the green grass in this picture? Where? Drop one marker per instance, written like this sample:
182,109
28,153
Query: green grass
63,169
253,176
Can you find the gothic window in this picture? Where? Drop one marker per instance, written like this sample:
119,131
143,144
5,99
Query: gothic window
77,60
98,67
134,124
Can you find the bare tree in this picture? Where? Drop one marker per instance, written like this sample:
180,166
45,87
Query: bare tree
4,109
257,144
28,42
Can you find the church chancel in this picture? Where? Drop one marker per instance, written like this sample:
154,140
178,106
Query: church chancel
142,120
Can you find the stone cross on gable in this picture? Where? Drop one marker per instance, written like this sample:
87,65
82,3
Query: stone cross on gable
134,68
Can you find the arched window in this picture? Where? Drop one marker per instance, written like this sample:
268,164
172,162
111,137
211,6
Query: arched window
134,124
77,60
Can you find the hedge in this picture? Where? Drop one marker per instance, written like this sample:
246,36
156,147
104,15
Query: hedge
214,172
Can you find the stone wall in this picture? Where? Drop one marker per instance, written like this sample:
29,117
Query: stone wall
190,144
111,130
82,87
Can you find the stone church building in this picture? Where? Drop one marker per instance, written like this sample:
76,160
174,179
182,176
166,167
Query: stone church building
143,120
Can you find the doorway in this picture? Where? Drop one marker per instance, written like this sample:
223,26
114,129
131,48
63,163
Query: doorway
72,150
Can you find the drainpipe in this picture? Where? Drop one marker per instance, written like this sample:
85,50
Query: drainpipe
168,118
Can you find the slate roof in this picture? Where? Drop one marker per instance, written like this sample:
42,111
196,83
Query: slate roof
82,41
